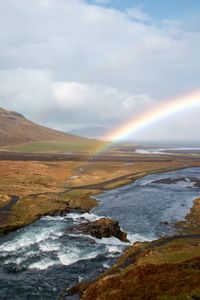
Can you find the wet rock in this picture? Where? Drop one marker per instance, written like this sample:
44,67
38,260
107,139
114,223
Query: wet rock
102,228
193,180
170,180
164,222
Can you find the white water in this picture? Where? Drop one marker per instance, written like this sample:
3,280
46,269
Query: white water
166,151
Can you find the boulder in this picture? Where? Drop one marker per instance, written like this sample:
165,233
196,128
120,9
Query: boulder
102,228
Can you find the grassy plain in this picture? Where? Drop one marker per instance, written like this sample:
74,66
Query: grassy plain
59,186
77,146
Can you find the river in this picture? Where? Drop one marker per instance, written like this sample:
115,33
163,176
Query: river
40,260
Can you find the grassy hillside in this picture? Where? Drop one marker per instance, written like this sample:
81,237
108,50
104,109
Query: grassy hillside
21,135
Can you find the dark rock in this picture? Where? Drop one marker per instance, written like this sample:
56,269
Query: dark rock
164,222
102,228
194,180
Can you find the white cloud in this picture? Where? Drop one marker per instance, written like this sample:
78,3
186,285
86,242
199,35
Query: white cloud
137,13
49,100
71,95
68,62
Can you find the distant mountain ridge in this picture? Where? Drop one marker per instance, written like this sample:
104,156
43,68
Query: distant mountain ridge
15,129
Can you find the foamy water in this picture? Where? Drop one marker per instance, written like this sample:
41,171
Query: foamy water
167,151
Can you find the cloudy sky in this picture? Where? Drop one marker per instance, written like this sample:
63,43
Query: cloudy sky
76,63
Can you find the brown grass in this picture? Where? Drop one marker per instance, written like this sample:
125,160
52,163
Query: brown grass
149,282
146,270
43,187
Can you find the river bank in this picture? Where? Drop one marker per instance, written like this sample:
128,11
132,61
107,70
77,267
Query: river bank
167,268
44,257
52,188
60,200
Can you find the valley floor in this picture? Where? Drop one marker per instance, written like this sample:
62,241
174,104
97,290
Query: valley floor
163,269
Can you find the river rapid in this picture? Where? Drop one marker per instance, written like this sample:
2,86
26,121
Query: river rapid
41,260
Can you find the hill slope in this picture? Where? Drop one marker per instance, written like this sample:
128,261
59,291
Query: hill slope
19,134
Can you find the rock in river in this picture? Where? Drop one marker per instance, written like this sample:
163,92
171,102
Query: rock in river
102,228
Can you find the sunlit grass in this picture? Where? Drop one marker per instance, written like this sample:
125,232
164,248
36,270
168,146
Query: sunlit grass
77,146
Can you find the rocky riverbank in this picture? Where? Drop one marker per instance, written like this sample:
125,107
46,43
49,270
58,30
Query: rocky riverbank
165,269
52,188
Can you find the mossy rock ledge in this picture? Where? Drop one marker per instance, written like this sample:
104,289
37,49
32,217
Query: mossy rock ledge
101,228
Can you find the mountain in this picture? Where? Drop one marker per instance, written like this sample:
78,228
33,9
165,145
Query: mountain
19,134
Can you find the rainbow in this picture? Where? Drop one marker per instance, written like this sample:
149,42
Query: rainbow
158,113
